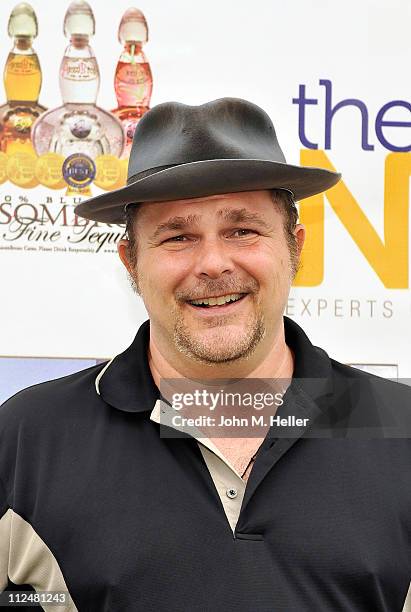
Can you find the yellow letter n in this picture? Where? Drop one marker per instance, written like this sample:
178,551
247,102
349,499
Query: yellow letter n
389,258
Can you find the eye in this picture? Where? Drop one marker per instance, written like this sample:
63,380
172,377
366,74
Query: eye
245,230
175,238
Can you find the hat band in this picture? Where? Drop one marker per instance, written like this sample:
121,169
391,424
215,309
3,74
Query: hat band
149,172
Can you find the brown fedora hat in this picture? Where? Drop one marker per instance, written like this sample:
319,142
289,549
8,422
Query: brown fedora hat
224,146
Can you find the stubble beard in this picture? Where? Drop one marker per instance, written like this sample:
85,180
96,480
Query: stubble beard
222,346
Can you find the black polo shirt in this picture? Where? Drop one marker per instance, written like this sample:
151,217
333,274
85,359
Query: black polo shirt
94,501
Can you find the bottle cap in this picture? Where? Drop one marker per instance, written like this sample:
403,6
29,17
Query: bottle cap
133,27
79,20
23,21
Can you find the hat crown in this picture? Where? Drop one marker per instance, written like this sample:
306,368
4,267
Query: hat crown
179,151
228,128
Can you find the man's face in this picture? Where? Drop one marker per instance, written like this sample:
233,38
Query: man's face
204,248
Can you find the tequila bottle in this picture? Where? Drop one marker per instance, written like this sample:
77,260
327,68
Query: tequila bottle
22,82
133,82
79,126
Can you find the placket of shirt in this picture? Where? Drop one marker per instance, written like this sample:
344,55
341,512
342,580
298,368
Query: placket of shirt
228,482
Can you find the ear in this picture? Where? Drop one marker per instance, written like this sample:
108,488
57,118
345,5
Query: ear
299,233
123,250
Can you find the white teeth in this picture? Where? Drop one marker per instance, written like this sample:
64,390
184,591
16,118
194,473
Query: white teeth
218,300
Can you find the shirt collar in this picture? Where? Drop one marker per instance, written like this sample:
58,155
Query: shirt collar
126,382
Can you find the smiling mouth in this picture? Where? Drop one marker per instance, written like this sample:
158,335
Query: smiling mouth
218,302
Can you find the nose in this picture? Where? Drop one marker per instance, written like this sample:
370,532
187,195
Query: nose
212,259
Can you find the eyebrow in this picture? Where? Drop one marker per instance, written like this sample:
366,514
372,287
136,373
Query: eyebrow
232,215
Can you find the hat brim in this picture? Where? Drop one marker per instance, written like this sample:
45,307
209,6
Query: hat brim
208,177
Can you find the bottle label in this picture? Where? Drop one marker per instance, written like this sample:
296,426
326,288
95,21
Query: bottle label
23,65
79,70
133,84
133,74
22,122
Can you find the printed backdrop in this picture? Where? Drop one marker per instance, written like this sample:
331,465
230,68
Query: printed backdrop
335,80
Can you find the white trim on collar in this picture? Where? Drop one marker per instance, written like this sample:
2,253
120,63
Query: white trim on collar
100,374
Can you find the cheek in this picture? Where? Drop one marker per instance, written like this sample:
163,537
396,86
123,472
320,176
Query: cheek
162,275
268,266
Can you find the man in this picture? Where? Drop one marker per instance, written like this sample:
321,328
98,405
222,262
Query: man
109,498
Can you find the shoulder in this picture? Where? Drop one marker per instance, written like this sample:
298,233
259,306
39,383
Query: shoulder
51,399
353,375
367,394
